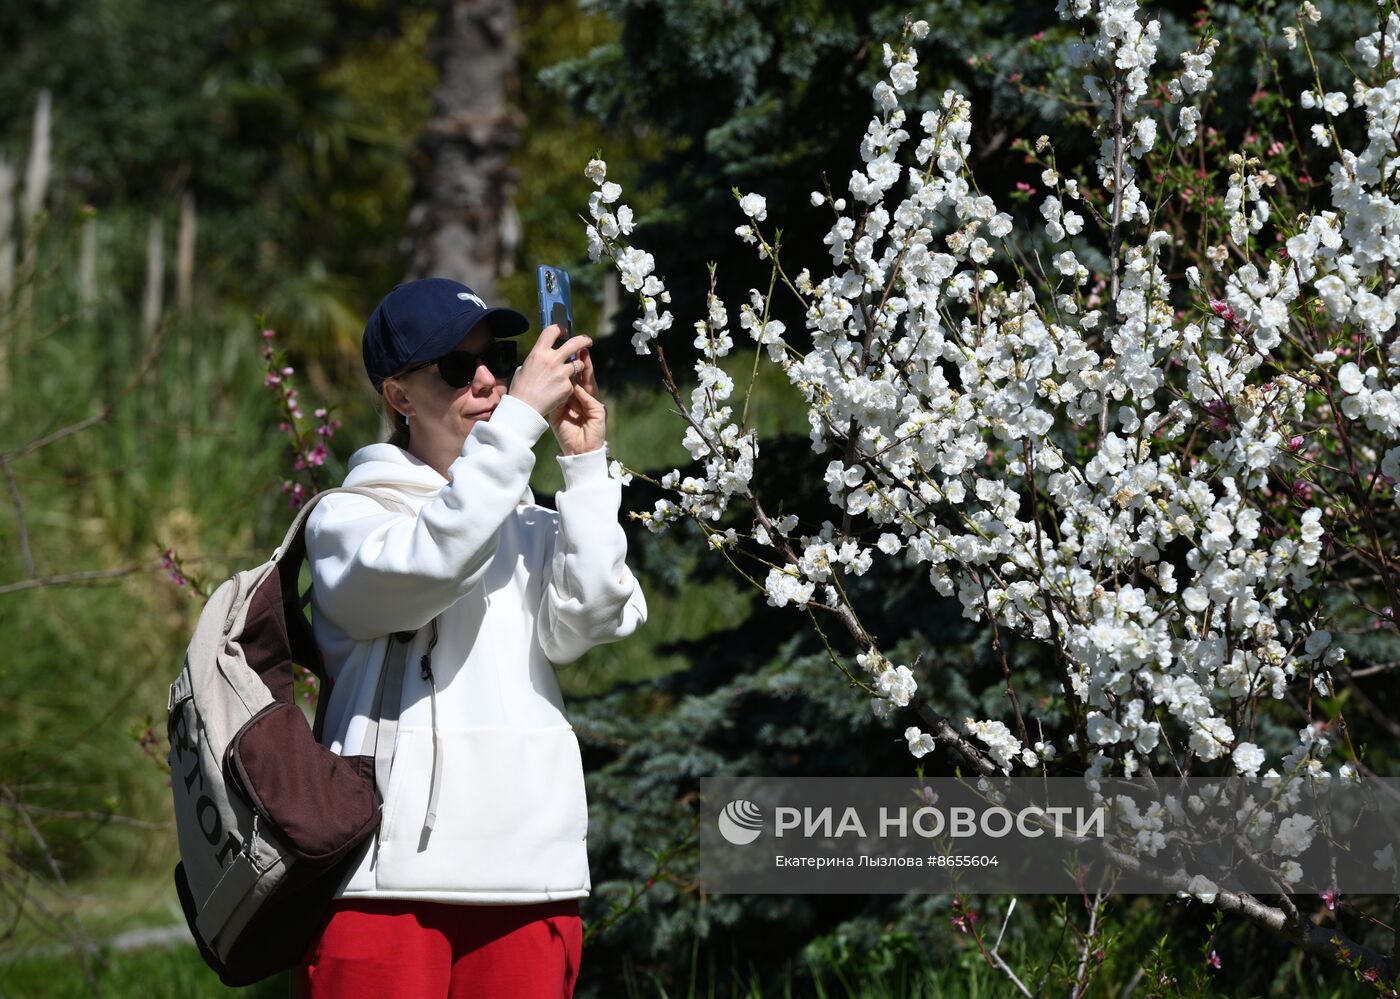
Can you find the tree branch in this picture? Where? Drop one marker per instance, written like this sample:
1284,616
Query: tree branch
19,515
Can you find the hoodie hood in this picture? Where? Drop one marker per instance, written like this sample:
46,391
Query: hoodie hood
389,466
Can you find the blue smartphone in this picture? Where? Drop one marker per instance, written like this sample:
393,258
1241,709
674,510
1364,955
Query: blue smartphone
556,305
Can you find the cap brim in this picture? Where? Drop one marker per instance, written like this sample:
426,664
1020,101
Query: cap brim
505,322
502,322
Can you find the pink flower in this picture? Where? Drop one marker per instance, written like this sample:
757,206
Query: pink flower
1330,897
167,561
965,919
1213,960
1274,149
320,414
271,379
1370,974
317,455
1302,491
1222,309
268,334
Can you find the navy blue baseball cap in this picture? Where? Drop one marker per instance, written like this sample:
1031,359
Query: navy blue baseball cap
423,320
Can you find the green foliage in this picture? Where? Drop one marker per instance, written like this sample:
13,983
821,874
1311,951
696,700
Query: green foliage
175,456
291,121
555,145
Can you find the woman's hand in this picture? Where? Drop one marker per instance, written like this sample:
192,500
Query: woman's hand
580,423
545,379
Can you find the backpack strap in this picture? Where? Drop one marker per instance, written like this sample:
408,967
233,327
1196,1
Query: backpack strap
294,546
384,721
299,522
382,732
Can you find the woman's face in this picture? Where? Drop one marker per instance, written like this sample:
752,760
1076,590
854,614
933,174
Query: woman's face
441,414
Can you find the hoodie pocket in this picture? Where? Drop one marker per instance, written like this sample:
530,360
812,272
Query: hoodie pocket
512,812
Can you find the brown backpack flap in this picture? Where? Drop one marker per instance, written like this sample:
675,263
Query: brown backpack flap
320,804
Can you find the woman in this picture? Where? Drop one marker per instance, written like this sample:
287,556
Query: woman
471,886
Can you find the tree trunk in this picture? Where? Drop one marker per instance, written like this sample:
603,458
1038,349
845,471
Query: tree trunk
154,296
184,253
460,226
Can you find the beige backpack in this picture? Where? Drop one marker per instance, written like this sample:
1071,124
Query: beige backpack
268,818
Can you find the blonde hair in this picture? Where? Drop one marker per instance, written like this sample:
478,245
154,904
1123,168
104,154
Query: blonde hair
399,432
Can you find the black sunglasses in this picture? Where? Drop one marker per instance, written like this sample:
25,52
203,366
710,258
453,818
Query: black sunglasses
458,368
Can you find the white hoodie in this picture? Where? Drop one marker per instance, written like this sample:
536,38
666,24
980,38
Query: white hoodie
519,588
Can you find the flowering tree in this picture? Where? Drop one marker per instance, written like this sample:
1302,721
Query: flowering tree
1181,482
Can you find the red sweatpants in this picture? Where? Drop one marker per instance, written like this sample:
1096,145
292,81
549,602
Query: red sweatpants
392,948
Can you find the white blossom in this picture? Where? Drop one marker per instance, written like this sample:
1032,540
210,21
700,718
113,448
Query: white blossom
1293,836
920,743
755,206
1015,435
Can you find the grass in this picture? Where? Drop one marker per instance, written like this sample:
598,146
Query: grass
820,978
150,973
103,907
177,972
